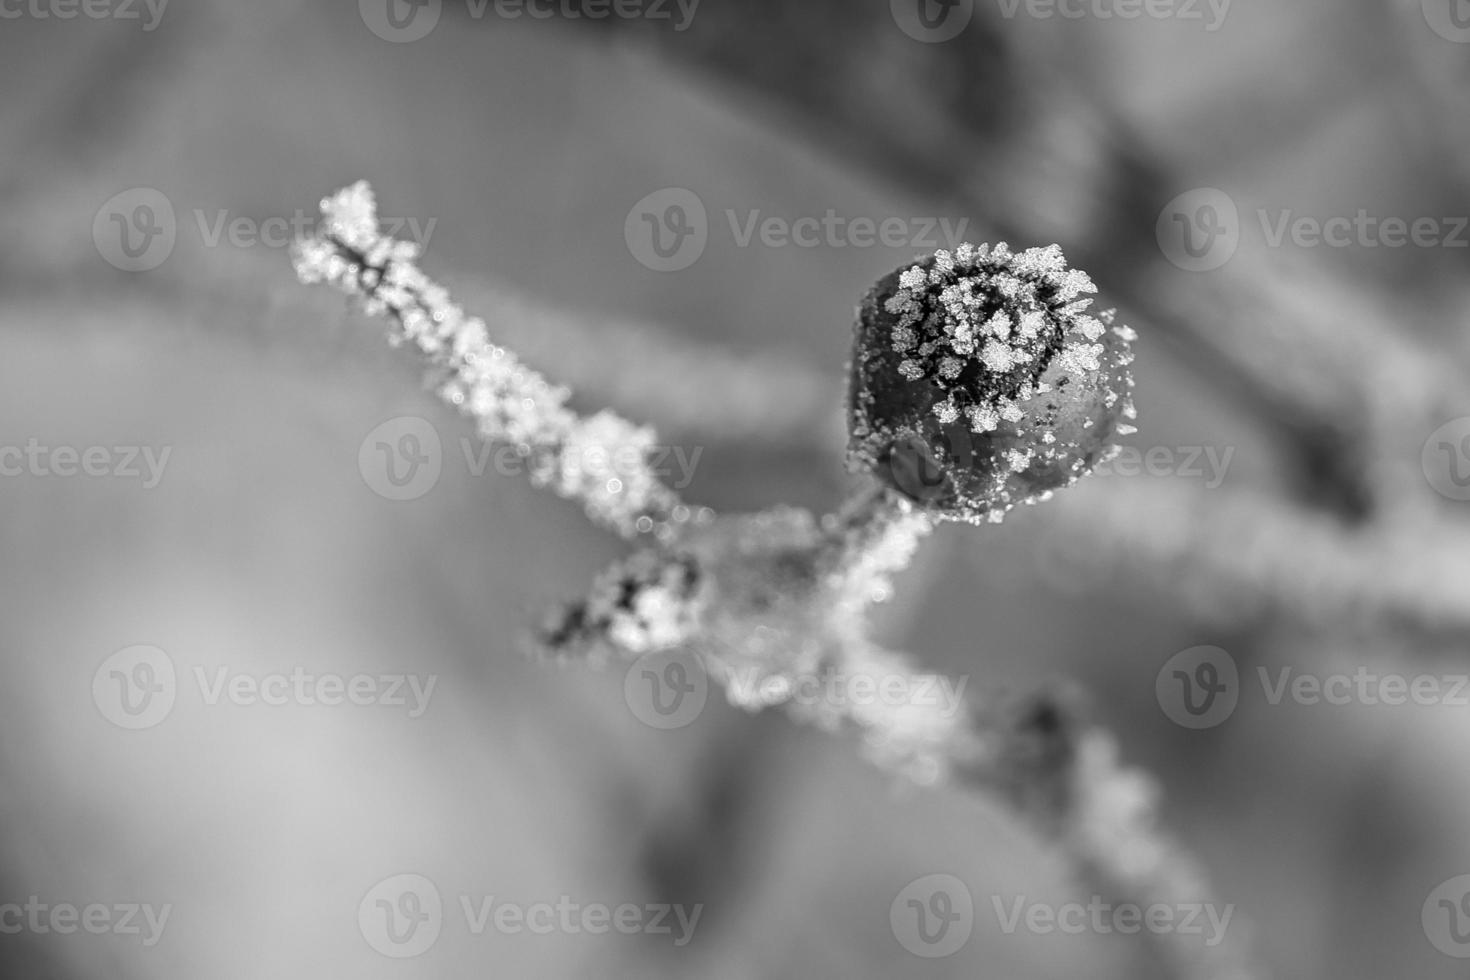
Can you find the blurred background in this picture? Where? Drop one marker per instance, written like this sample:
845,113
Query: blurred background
192,510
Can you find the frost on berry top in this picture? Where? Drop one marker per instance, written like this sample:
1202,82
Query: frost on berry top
984,324
990,362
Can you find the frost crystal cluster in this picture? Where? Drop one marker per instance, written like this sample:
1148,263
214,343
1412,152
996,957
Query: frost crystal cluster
511,404
979,379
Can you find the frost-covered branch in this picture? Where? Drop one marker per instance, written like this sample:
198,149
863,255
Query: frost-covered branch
766,603
980,382
601,460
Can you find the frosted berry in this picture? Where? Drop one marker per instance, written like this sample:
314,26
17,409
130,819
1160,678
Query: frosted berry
979,380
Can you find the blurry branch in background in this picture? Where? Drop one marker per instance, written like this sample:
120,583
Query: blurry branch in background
1438,74
664,375
766,600
1243,558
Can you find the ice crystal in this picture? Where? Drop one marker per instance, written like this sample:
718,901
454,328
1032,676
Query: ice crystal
646,604
509,402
